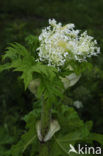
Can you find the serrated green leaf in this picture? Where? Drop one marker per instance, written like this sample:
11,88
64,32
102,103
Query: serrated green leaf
5,67
22,145
15,50
28,137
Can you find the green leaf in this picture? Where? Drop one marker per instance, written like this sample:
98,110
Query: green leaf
33,43
73,129
22,145
96,137
55,149
89,125
27,77
14,51
48,71
5,138
28,137
5,67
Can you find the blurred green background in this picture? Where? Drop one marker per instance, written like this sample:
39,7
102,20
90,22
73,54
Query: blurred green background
18,19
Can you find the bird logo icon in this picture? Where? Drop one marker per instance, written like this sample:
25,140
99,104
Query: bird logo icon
72,149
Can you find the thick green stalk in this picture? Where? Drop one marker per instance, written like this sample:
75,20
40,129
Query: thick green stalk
45,124
45,118
44,149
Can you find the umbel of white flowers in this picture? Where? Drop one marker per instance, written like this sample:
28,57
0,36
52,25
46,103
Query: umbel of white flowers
59,44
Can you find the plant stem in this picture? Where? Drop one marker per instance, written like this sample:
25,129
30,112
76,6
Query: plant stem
44,149
45,124
45,118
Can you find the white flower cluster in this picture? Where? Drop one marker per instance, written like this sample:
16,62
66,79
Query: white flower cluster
59,44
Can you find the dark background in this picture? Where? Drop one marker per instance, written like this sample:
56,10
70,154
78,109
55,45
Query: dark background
18,19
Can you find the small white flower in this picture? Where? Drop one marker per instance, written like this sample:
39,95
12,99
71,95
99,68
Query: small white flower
59,44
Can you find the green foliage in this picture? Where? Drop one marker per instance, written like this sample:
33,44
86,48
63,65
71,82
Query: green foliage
26,140
5,139
33,43
20,18
29,137
21,60
73,131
